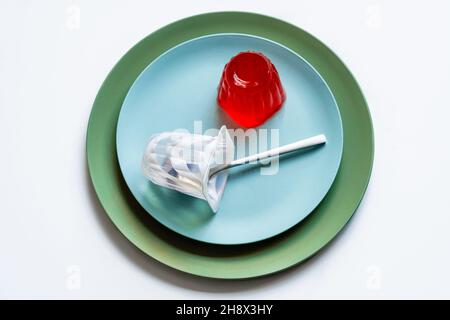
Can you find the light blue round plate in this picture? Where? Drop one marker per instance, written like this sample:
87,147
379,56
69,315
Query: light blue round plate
179,89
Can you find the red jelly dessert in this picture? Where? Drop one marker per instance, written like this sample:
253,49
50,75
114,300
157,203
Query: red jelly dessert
250,89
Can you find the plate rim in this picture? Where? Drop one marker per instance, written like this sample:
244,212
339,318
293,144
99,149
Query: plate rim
244,35
249,19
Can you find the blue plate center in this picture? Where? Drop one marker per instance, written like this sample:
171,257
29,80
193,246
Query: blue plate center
179,90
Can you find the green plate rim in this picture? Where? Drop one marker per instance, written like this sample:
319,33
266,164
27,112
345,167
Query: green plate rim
219,261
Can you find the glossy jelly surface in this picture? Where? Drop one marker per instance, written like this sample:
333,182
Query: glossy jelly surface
250,89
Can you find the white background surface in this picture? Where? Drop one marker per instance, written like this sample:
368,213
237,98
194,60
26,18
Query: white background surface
53,232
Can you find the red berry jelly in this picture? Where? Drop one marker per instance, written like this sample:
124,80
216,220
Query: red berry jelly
250,89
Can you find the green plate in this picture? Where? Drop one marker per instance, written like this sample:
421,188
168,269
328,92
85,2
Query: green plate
239,261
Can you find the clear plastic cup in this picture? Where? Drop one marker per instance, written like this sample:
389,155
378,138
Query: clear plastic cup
183,161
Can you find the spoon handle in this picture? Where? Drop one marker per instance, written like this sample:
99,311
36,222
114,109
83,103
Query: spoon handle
298,145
